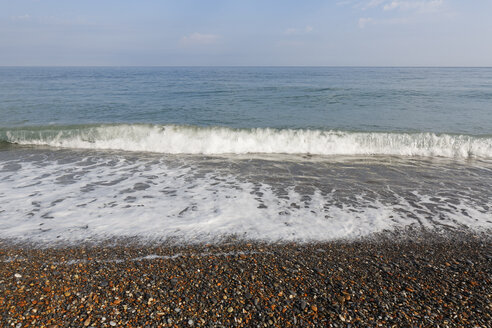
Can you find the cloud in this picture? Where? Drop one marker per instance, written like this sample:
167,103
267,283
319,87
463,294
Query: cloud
374,3
299,31
21,17
421,6
290,43
345,2
54,20
409,10
199,39
364,21
401,5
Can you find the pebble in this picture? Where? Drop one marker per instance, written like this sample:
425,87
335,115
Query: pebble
363,283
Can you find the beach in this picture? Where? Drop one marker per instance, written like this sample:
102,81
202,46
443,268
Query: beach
245,196
388,281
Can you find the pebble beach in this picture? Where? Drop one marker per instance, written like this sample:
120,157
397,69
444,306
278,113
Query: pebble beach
427,280
255,196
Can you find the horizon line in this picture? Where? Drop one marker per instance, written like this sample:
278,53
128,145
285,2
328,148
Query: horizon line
240,66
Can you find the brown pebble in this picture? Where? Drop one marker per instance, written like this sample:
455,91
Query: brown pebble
346,296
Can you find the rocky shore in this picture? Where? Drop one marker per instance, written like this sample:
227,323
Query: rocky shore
423,281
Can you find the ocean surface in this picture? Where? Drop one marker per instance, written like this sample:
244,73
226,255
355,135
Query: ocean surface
197,154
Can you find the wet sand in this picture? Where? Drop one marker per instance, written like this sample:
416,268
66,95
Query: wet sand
425,280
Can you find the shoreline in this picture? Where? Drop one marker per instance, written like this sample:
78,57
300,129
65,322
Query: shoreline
425,280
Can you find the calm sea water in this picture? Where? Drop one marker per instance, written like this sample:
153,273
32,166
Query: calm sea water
196,154
445,100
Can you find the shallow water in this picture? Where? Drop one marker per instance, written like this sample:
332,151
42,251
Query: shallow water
76,195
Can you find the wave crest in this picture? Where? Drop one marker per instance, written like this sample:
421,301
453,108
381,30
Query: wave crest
176,139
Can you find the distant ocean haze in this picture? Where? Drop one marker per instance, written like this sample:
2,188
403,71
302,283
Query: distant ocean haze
267,153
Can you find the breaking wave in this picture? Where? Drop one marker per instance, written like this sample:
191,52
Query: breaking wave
178,139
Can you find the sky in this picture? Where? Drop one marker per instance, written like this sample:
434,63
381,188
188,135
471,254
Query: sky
245,33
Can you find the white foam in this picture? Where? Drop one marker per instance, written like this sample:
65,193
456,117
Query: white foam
174,139
156,201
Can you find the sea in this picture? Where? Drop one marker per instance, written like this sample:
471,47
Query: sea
270,154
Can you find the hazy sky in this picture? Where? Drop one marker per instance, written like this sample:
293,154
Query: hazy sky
247,32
